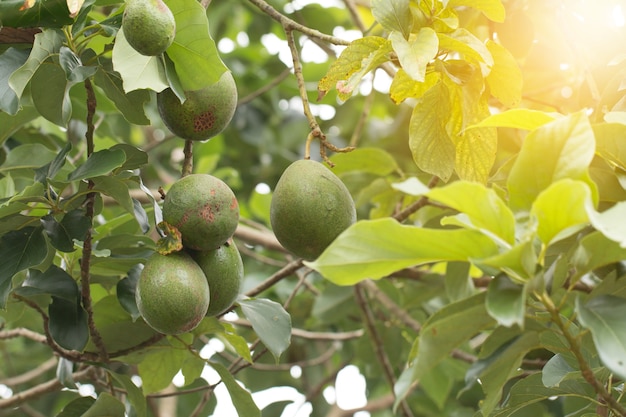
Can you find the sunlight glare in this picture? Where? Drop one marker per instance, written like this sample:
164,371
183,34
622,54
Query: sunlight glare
617,16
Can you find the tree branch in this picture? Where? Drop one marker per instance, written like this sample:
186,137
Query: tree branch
188,161
284,272
404,214
31,374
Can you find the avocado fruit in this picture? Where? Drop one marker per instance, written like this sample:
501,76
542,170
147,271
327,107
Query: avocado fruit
172,293
148,26
203,209
310,207
223,269
204,113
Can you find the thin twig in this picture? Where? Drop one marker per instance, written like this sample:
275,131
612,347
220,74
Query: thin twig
188,161
284,272
393,308
30,374
308,335
423,201
266,87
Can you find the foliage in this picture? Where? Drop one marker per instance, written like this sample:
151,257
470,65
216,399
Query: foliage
484,276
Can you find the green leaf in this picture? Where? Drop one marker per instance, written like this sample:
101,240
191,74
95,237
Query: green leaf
415,54
411,186
193,51
506,301
49,13
137,71
518,263
475,153
75,71
159,367
555,370
115,188
468,45
106,406
554,223
59,237
610,143
492,9
135,157
238,343
125,290
524,119
10,61
134,394
9,123
376,248
393,15
505,78
47,43
360,57
19,250
481,208
99,163
431,146
610,222
270,321
403,86
28,156
561,149
53,281
68,324
65,367
459,283
241,398
52,168
594,251
130,104
370,160
604,317
77,407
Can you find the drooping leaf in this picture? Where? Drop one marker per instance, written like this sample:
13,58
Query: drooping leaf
482,207
506,301
393,15
135,396
492,9
560,149
270,321
19,250
10,60
135,157
604,317
505,78
99,163
193,51
47,43
106,406
68,323
415,54
137,71
376,248
65,367
130,104
241,398
431,145
359,58
159,367
519,262
553,222
525,119
172,241
53,281
116,188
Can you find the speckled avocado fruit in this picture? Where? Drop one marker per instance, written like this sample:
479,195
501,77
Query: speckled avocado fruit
203,209
148,26
204,113
310,208
223,269
172,293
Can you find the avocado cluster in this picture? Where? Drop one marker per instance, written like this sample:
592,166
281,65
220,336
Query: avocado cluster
176,291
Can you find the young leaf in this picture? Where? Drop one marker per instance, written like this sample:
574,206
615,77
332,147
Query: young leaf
68,324
506,301
270,321
525,119
610,222
359,58
10,61
106,405
194,53
505,78
561,149
99,163
492,9
135,396
415,54
484,209
241,398
468,45
604,317
403,86
554,223
518,263
393,15
376,248
431,145
159,367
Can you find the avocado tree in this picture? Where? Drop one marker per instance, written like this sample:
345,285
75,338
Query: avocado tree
482,144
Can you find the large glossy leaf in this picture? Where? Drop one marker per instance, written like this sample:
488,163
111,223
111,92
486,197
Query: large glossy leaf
241,398
53,281
376,248
49,13
604,317
99,163
270,321
129,104
481,208
50,93
19,250
68,323
393,15
431,146
506,301
561,149
193,51
10,60
359,58
561,210
47,43
416,53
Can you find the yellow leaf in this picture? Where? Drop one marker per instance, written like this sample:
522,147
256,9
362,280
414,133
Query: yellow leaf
475,154
492,9
415,54
403,86
74,6
505,78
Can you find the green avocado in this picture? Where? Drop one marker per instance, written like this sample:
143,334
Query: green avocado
203,209
148,26
223,269
204,113
172,293
310,207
